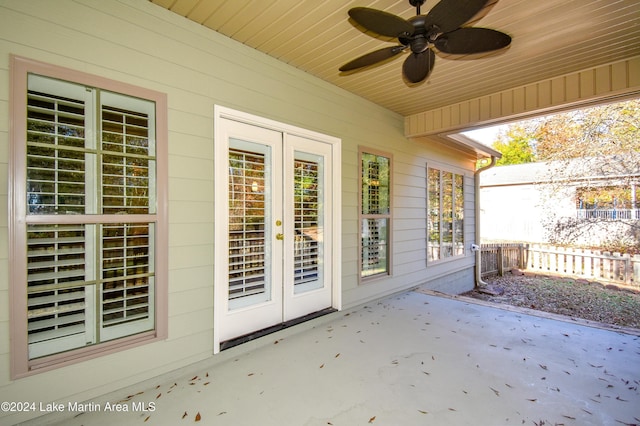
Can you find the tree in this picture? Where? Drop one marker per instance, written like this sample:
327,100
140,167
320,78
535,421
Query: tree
583,146
605,130
517,146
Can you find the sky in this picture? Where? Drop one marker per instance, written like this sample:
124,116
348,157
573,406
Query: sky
486,135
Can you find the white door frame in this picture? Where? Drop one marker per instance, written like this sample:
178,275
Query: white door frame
221,211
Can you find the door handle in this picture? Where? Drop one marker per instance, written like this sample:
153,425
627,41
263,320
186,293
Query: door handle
279,236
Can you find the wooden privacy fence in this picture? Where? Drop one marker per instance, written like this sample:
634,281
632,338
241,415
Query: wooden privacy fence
502,257
589,264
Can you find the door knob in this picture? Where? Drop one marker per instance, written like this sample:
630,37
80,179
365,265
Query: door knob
279,236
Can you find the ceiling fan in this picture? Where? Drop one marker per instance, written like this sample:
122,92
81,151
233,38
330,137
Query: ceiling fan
443,28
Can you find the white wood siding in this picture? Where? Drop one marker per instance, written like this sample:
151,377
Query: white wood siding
140,43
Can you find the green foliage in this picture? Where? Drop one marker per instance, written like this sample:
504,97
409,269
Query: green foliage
604,130
516,146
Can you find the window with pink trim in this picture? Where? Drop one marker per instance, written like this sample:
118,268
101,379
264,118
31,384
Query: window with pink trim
87,218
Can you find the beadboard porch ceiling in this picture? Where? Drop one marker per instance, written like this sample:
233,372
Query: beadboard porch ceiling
550,38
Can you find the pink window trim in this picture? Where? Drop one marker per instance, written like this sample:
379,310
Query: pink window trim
20,365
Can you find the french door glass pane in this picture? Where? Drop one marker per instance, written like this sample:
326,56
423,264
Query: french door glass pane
249,212
308,221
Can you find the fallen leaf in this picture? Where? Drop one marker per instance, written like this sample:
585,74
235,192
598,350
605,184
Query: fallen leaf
337,355
184,415
145,420
159,395
198,417
544,367
372,419
494,391
322,366
193,378
423,412
205,384
532,400
222,412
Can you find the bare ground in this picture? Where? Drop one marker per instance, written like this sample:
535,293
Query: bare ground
570,297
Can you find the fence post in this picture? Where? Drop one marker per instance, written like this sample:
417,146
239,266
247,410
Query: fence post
521,256
607,264
553,259
500,261
627,269
597,262
588,263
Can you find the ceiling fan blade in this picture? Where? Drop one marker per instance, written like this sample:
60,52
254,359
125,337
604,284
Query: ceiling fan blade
418,66
449,15
372,58
483,12
472,40
380,22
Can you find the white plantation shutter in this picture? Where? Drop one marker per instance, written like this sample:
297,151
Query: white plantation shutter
89,152
308,204
247,224
375,214
57,155
58,307
128,161
128,282
445,214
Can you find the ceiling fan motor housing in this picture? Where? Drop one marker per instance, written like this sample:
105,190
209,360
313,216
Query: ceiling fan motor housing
422,37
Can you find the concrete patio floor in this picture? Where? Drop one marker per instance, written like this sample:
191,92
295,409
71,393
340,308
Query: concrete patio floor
411,359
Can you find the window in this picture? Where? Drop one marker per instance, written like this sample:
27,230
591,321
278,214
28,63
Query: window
375,214
88,233
445,216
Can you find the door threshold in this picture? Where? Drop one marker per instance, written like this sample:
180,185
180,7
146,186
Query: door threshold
227,344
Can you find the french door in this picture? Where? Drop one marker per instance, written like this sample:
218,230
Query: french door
276,228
